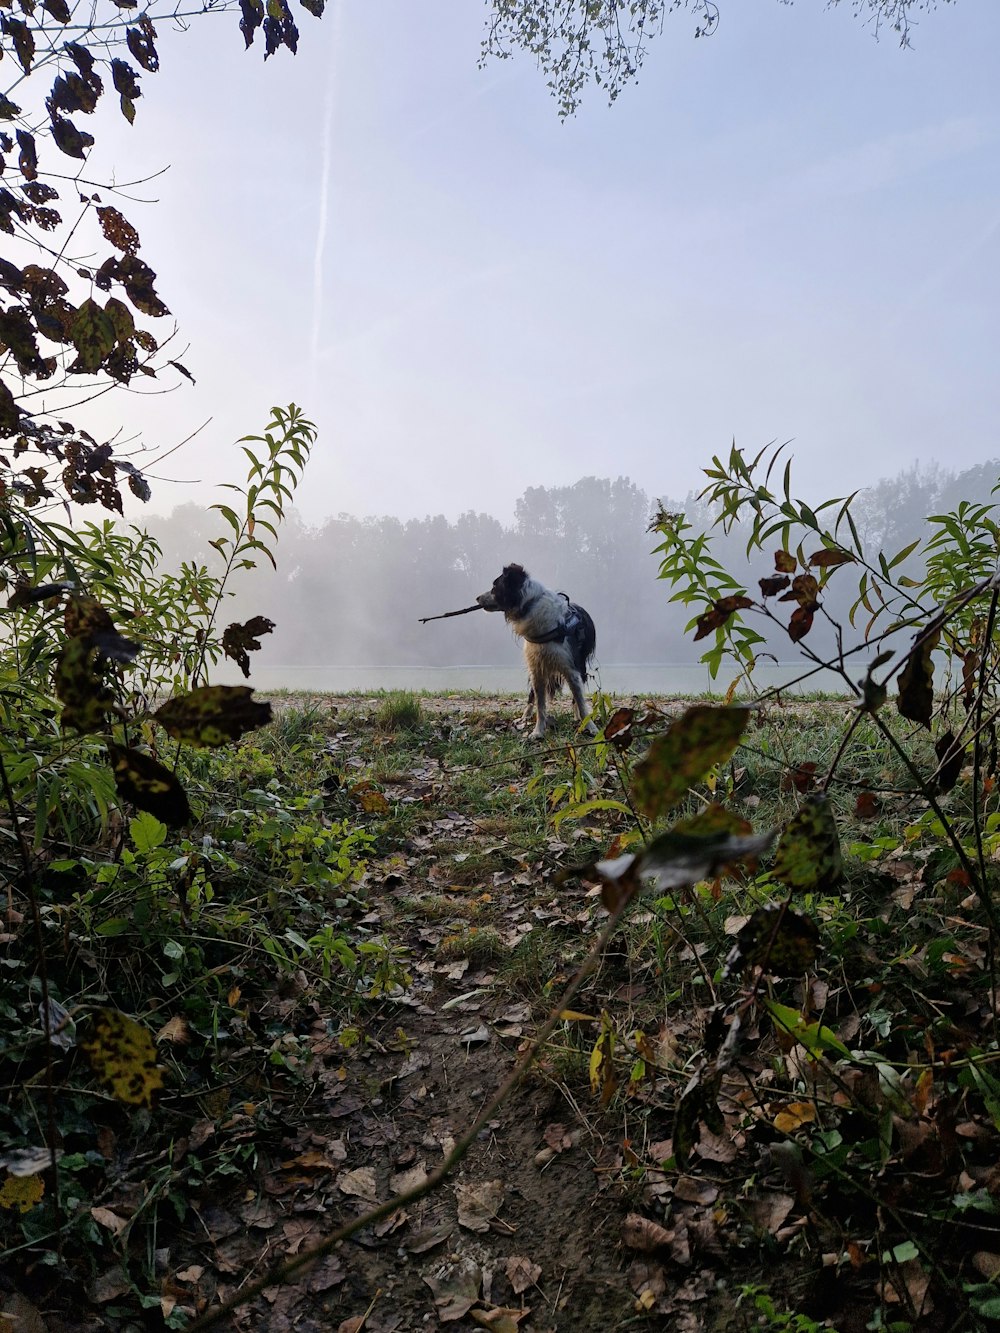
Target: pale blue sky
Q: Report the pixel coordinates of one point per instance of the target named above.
(786, 231)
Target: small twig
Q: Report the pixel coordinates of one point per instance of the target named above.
(464, 612)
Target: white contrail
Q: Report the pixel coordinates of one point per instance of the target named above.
(326, 148)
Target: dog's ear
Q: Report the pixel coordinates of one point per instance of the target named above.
(508, 586)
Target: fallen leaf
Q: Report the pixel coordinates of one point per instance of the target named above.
(521, 1273)
(643, 1234)
(456, 1288)
(409, 1180)
(428, 1239)
(104, 1217)
(479, 1204)
(360, 1183)
(18, 1315)
(499, 1319)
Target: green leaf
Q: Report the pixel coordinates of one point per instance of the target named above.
(147, 832)
(585, 808)
(93, 335)
(809, 858)
(701, 737)
(816, 1038)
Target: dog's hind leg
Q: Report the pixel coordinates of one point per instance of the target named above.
(580, 702)
(529, 712)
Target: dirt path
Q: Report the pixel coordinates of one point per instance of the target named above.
(527, 1233)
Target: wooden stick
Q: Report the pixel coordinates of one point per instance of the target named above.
(464, 612)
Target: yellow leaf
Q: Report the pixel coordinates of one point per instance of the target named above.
(19, 1194)
(795, 1114)
(123, 1056)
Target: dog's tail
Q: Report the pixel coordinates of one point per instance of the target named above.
(586, 642)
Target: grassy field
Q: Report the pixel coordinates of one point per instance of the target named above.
(387, 899)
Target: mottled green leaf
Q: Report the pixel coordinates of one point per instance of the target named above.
(777, 940)
(701, 738)
(145, 782)
(213, 715)
(808, 858)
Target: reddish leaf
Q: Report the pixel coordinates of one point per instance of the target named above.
(722, 610)
(829, 557)
(805, 591)
(800, 624)
(618, 728)
(867, 805)
(769, 587)
(784, 562)
(802, 777)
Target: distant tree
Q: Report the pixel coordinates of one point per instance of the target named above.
(578, 42)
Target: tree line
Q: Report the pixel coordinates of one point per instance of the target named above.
(350, 591)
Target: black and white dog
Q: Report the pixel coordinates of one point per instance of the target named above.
(559, 639)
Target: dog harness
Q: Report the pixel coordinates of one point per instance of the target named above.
(562, 630)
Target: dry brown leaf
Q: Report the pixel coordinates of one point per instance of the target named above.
(104, 1217)
(769, 1212)
(428, 1239)
(643, 1234)
(410, 1179)
(396, 1219)
(499, 1319)
(557, 1137)
(296, 1231)
(479, 1204)
(689, 1189)
(987, 1263)
(455, 1287)
(175, 1030)
(19, 1315)
(360, 1183)
(521, 1273)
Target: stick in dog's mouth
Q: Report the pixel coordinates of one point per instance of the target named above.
(464, 612)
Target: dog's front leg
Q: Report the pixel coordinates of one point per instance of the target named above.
(539, 691)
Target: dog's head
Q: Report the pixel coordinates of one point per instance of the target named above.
(507, 592)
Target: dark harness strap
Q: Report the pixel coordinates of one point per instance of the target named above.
(561, 631)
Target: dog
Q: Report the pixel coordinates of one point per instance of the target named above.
(559, 640)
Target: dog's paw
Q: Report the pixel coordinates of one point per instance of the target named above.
(590, 729)
(537, 735)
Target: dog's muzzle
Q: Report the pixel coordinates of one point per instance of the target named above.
(487, 601)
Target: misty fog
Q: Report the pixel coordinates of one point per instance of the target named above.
(347, 596)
